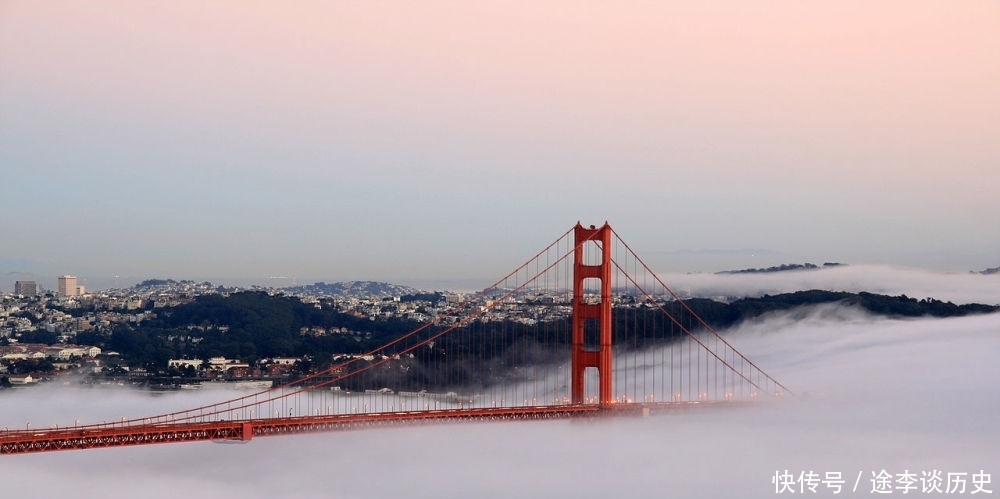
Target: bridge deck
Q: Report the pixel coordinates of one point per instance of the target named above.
(46, 440)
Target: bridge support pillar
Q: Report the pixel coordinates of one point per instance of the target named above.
(247, 433)
(592, 315)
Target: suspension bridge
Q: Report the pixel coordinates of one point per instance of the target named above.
(583, 328)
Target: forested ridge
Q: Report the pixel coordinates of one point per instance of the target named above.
(255, 325)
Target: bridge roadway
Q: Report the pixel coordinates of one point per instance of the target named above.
(92, 437)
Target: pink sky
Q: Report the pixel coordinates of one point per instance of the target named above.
(871, 126)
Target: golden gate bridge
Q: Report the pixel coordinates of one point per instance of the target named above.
(633, 347)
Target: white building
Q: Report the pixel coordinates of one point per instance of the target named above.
(68, 286)
(21, 380)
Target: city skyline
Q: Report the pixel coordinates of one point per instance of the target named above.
(441, 142)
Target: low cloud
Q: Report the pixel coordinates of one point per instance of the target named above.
(873, 394)
(916, 283)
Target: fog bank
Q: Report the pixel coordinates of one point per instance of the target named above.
(888, 280)
(873, 394)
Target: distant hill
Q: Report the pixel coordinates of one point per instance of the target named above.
(152, 283)
(354, 289)
(783, 268)
(884, 305)
(994, 270)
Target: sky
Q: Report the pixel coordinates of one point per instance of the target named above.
(872, 394)
(439, 141)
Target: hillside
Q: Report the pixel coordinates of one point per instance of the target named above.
(353, 289)
(783, 268)
(254, 325)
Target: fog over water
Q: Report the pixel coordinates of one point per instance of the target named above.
(964, 287)
(873, 394)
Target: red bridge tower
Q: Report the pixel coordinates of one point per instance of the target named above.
(589, 316)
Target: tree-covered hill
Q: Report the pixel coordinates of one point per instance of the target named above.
(255, 325)
(788, 267)
(247, 326)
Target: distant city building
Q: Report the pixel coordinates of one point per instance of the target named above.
(67, 286)
(26, 288)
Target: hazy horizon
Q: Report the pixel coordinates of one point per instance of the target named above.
(958, 287)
